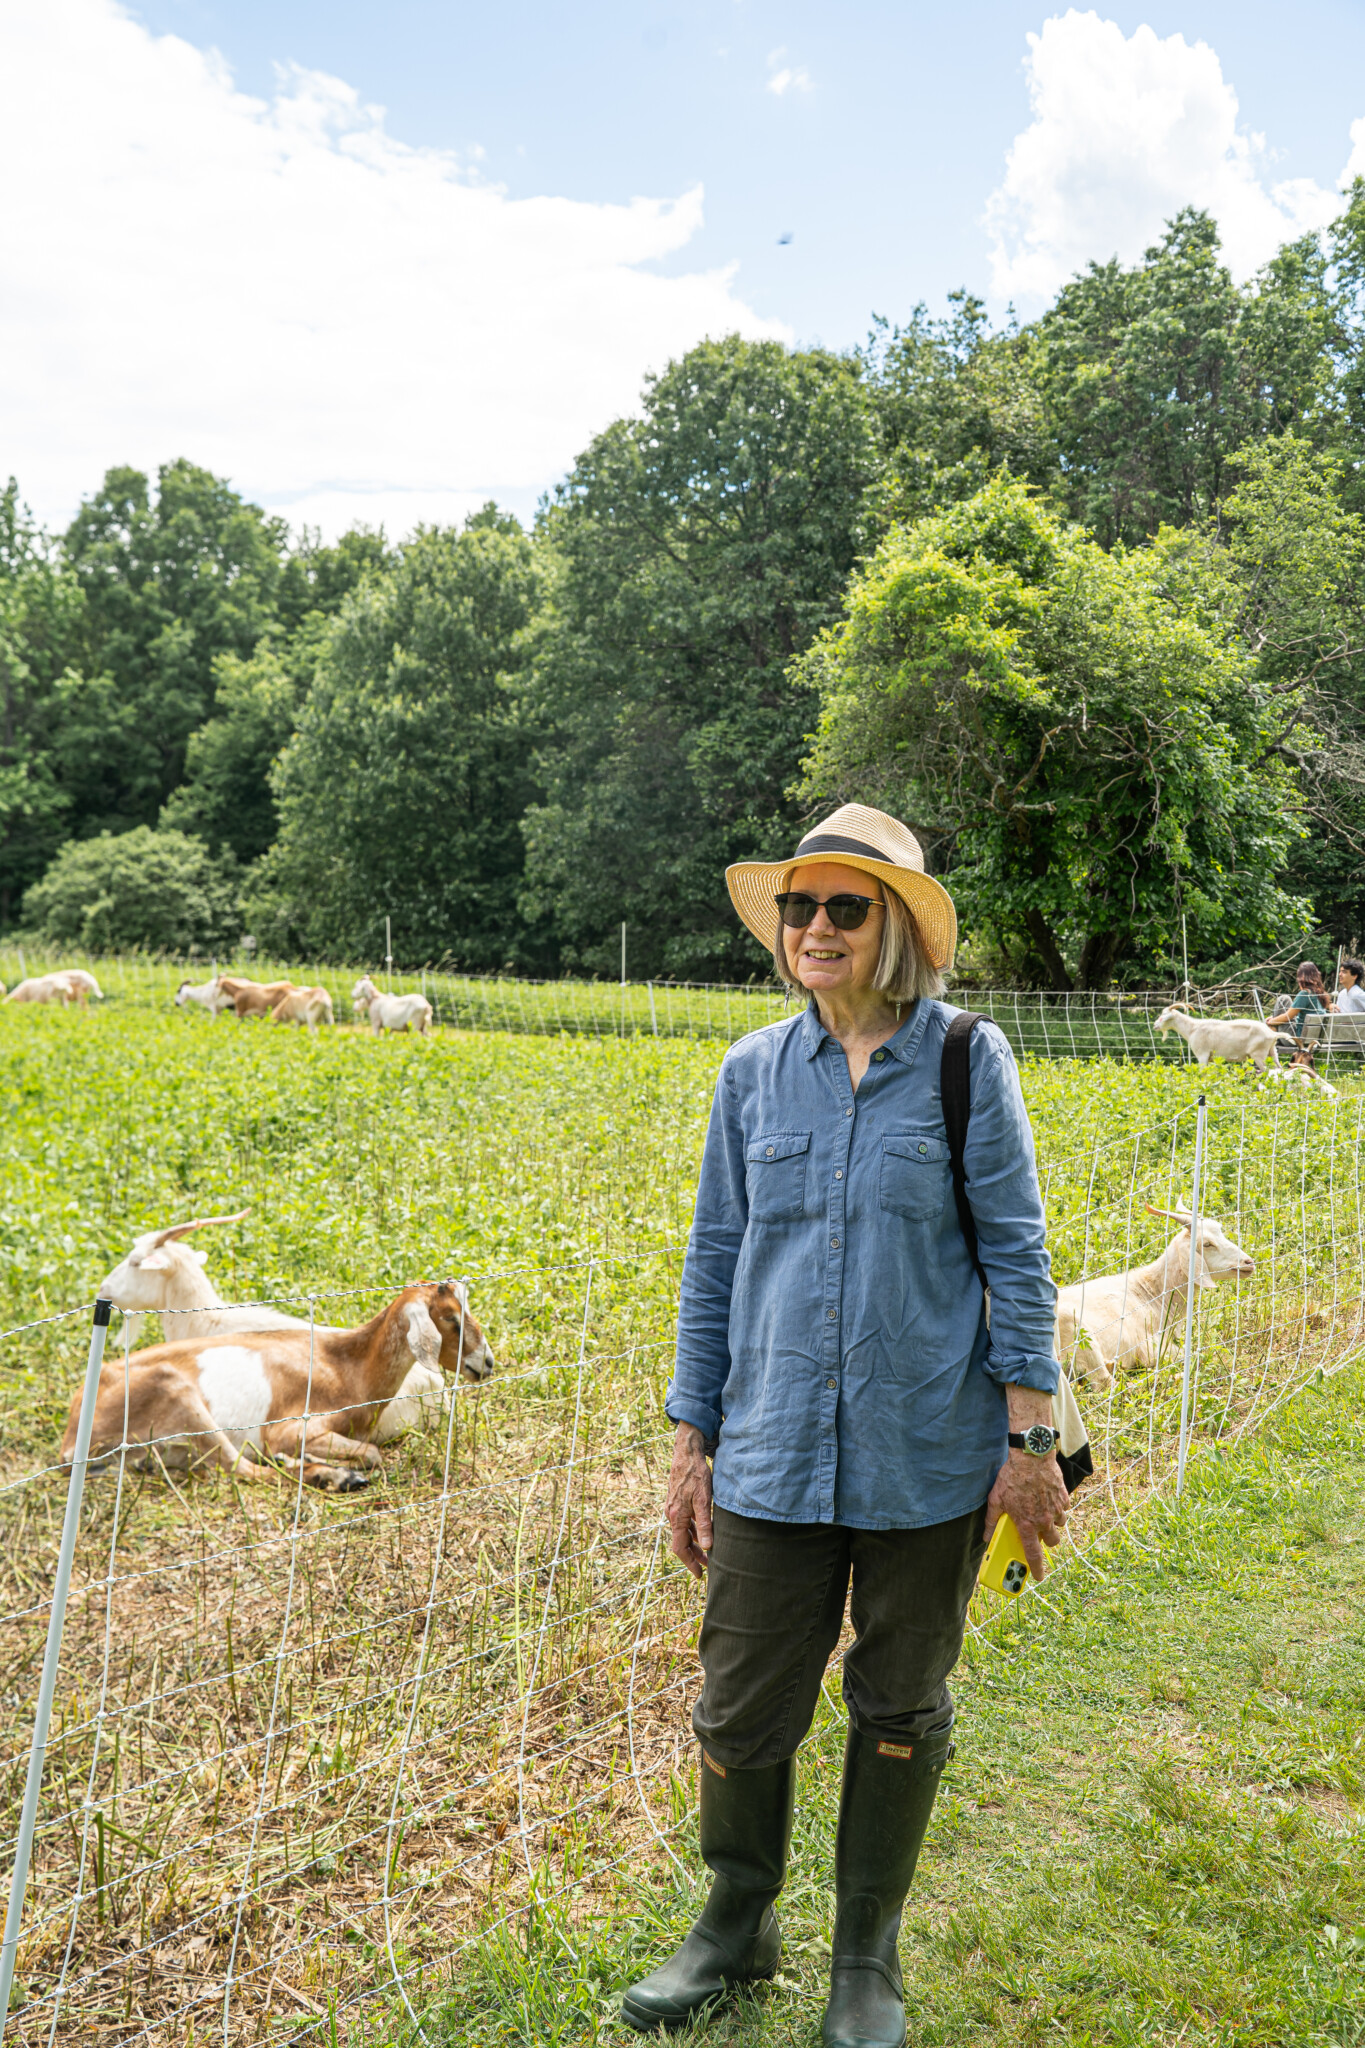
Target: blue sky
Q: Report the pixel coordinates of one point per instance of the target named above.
(880, 168)
(227, 250)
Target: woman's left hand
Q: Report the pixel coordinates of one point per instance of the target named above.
(1032, 1492)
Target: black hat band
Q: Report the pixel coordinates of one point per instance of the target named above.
(831, 842)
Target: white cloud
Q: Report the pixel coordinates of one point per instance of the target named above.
(1126, 131)
(288, 295)
(786, 78)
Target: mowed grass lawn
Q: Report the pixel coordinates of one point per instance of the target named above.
(1153, 1828)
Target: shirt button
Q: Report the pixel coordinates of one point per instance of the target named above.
(834, 1244)
(838, 1173)
(833, 1315)
(769, 1153)
(924, 1148)
(849, 1112)
(879, 1057)
(831, 1384)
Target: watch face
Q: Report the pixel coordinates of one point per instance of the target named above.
(1039, 1439)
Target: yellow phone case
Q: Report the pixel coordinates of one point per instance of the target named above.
(1004, 1568)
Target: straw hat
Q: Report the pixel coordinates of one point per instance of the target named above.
(856, 837)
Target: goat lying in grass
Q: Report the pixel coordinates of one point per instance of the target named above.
(294, 1397)
(1124, 1318)
(163, 1276)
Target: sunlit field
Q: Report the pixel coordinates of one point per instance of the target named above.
(320, 1743)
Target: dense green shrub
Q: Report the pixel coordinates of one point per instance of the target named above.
(162, 890)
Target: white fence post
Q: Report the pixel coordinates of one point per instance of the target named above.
(1185, 1419)
(653, 1013)
(47, 1684)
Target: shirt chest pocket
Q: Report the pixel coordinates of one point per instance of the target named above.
(775, 1175)
(915, 1178)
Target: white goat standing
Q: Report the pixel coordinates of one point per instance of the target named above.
(390, 1013)
(165, 1277)
(1222, 1038)
(207, 995)
(1124, 1318)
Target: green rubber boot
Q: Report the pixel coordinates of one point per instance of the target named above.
(746, 1825)
(889, 1792)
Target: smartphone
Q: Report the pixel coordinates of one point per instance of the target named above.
(1004, 1568)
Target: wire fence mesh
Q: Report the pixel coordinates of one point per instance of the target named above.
(1056, 1025)
(308, 1747)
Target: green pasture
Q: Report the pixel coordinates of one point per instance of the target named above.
(556, 1173)
(1152, 1832)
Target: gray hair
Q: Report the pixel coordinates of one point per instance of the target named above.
(904, 971)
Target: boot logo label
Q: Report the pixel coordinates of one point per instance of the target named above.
(719, 1769)
(895, 1749)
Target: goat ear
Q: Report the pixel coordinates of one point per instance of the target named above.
(195, 1253)
(423, 1334)
(157, 1261)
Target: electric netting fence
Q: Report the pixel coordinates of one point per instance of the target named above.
(306, 1749)
(1067, 1025)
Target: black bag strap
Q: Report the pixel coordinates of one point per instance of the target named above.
(955, 1088)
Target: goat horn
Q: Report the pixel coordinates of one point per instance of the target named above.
(199, 1223)
(1175, 1215)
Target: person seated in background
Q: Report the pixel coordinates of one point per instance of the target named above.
(1350, 999)
(1311, 1001)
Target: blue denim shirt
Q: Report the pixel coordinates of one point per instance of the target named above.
(832, 1333)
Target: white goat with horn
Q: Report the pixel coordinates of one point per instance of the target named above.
(1123, 1318)
(164, 1276)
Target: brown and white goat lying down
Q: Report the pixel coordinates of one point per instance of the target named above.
(220, 1399)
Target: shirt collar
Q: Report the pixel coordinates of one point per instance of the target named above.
(903, 1046)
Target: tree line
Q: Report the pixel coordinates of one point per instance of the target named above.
(1081, 599)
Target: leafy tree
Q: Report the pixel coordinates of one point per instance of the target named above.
(1089, 751)
(226, 796)
(317, 579)
(171, 582)
(1284, 565)
(401, 789)
(701, 546)
(1153, 378)
(40, 628)
(955, 402)
(161, 890)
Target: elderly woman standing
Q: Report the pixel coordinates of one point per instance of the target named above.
(866, 1422)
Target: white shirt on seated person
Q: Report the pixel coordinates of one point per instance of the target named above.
(1351, 1000)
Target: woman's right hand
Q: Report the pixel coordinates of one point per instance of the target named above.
(688, 1507)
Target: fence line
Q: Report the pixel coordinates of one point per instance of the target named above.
(1074, 1024)
(457, 1704)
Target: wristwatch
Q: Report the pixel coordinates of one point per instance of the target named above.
(1038, 1440)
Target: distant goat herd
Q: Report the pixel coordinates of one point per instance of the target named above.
(283, 1002)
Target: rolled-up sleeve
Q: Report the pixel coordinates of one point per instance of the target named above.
(1002, 1188)
(702, 1363)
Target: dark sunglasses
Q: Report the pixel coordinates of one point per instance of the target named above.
(845, 913)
